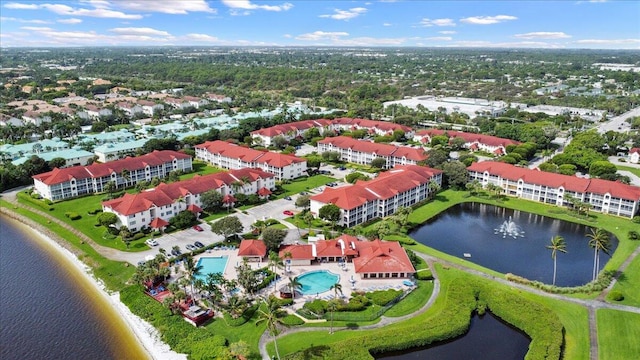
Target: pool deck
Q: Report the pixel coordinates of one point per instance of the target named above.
(345, 277)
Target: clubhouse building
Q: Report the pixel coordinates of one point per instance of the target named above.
(609, 197)
(363, 151)
(67, 183)
(155, 207)
(402, 186)
(231, 156)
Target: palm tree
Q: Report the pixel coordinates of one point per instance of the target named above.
(557, 244)
(271, 316)
(275, 263)
(126, 176)
(599, 241)
(294, 284)
(337, 288)
(193, 270)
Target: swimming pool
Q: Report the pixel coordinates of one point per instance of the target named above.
(212, 265)
(315, 282)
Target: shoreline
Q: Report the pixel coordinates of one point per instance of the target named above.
(143, 332)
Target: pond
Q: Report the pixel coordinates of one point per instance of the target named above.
(484, 235)
(488, 338)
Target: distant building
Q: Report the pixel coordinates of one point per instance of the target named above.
(60, 184)
(116, 150)
(469, 106)
(401, 186)
(35, 118)
(364, 151)
(609, 197)
(634, 155)
(473, 142)
(230, 156)
(137, 211)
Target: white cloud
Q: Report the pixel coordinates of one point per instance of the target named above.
(24, 21)
(437, 22)
(370, 41)
(167, 6)
(321, 35)
(520, 44)
(487, 20)
(235, 12)
(543, 35)
(35, 28)
(609, 41)
(439, 38)
(19, 6)
(202, 37)
(345, 14)
(71, 21)
(248, 5)
(447, 32)
(386, 24)
(139, 31)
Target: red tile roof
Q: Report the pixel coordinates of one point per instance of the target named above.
(634, 150)
(469, 137)
(158, 223)
(165, 194)
(283, 129)
(371, 124)
(345, 142)
(328, 248)
(263, 191)
(252, 248)
(389, 183)
(298, 252)
(57, 176)
(382, 257)
(249, 155)
(571, 183)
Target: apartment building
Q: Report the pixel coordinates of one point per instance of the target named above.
(488, 143)
(364, 151)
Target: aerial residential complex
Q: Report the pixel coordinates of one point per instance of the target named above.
(155, 207)
(364, 151)
(488, 143)
(231, 156)
(60, 184)
(297, 129)
(402, 186)
(604, 196)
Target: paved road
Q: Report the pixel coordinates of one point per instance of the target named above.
(619, 123)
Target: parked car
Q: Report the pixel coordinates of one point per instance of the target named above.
(197, 228)
(151, 242)
(176, 252)
(198, 244)
(343, 168)
(303, 193)
(190, 247)
(288, 212)
(287, 197)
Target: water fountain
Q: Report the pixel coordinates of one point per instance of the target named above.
(509, 228)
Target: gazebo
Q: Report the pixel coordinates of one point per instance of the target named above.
(229, 200)
(264, 193)
(195, 209)
(158, 223)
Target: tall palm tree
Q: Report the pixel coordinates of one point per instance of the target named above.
(193, 270)
(275, 263)
(270, 314)
(126, 176)
(557, 244)
(337, 288)
(294, 284)
(599, 241)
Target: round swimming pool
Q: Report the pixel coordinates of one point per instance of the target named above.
(315, 282)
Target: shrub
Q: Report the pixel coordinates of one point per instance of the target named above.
(616, 296)
(424, 275)
(138, 236)
(383, 297)
(36, 196)
(636, 219)
(633, 235)
(317, 306)
(356, 303)
(72, 215)
(292, 320)
(94, 211)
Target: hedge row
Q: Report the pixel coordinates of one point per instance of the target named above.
(42, 204)
(72, 215)
(602, 282)
(461, 299)
(383, 297)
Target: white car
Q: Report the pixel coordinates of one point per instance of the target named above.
(151, 242)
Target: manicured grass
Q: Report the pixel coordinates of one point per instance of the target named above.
(414, 301)
(628, 284)
(216, 215)
(618, 335)
(278, 226)
(114, 274)
(201, 168)
(633, 170)
(304, 184)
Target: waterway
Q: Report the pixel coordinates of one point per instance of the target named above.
(488, 338)
(51, 311)
(472, 229)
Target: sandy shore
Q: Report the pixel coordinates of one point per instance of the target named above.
(147, 336)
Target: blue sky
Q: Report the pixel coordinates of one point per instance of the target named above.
(596, 24)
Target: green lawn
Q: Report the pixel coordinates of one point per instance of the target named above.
(304, 184)
(618, 335)
(279, 226)
(629, 284)
(414, 301)
(633, 170)
(201, 168)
